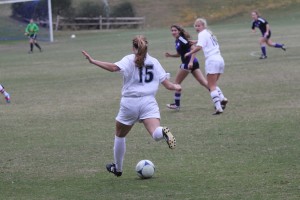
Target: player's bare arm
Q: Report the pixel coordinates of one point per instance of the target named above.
(104, 65)
(176, 55)
(171, 86)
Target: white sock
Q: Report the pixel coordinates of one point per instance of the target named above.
(220, 93)
(119, 152)
(2, 90)
(216, 99)
(157, 134)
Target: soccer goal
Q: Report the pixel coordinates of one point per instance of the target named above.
(15, 15)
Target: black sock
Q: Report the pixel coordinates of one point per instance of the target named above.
(31, 46)
(38, 46)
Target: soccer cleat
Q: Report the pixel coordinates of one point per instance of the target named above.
(7, 98)
(30, 52)
(173, 106)
(170, 139)
(218, 112)
(223, 103)
(111, 168)
(283, 48)
(262, 57)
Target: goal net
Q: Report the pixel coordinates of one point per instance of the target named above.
(16, 14)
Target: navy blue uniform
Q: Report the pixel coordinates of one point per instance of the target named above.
(182, 47)
(262, 25)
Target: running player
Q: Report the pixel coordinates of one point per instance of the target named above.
(183, 46)
(142, 75)
(6, 95)
(31, 31)
(265, 30)
(214, 63)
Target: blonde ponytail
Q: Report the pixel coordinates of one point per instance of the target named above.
(140, 43)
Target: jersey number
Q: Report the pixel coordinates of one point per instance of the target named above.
(214, 40)
(148, 73)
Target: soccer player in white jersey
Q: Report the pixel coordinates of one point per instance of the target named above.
(214, 63)
(6, 95)
(142, 75)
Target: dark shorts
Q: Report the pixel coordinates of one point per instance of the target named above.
(269, 36)
(185, 66)
(33, 36)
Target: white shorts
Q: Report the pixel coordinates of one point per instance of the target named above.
(214, 65)
(133, 109)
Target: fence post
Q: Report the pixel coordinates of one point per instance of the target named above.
(57, 22)
(100, 22)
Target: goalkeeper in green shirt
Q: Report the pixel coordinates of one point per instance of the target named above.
(31, 31)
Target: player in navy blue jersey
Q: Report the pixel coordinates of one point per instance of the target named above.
(183, 46)
(264, 27)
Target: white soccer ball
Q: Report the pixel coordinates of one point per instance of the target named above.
(145, 169)
(73, 36)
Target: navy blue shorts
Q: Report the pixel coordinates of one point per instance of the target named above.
(33, 36)
(186, 67)
(269, 36)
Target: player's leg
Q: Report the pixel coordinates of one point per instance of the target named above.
(150, 116)
(119, 148)
(180, 76)
(6, 95)
(212, 84)
(200, 78)
(275, 45)
(214, 67)
(158, 132)
(36, 43)
(31, 45)
(262, 43)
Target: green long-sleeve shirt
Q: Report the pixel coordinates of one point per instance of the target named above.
(32, 28)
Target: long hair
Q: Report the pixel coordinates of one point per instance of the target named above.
(183, 33)
(140, 43)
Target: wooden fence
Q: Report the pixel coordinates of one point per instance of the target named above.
(99, 22)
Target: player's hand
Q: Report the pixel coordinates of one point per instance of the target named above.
(177, 87)
(192, 42)
(26, 34)
(190, 65)
(87, 56)
(167, 54)
(266, 34)
(187, 54)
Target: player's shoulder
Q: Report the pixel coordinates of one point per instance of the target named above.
(261, 20)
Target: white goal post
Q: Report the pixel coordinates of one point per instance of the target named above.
(49, 13)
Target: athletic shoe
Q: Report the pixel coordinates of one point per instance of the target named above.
(7, 98)
(30, 52)
(218, 112)
(170, 139)
(173, 106)
(223, 103)
(111, 168)
(283, 48)
(263, 57)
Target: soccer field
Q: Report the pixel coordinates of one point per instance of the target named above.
(57, 133)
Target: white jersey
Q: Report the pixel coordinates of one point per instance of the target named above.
(144, 81)
(209, 43)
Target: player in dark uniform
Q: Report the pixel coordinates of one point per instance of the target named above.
(183, 46)
(31, 31)
(264, 27)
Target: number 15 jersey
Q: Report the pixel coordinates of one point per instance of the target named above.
(141, 81)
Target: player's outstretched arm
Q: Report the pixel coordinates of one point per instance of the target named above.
(171, 86)
(104, 65)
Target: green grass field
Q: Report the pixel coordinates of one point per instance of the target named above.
(57, 134)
